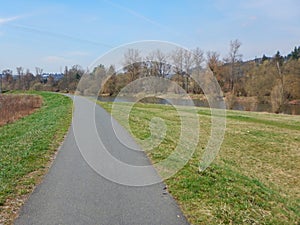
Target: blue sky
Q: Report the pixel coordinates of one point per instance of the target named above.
(52, 34)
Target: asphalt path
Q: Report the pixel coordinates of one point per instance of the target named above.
(82, 188)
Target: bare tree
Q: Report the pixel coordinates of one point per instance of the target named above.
(132, 63)
(164, 67)
(38, 71)
(158, 65)
(7, 79)
(38, 74)
(188, 64)
(198, 60)
(213, 60)
(177, 60)
(20, 72)
(278, 92)
(233, 58)
(183, 61)
(149, 65)
(188, 61)
(28, 78)
(217, 67)
(198, 57)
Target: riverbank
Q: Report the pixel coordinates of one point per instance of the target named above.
(234, 103)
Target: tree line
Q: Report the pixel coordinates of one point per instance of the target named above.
(26, 80)
(274, 79)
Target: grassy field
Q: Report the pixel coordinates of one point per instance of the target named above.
(254, 180)
(26, 149)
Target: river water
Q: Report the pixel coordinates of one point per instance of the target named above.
(260, 107)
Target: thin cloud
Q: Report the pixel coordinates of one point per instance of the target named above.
(59, 35)
(249, 21)
(134, 13)
(8, 19)
(142, 17)
(55, 59)
(274, 9)
(76, 53)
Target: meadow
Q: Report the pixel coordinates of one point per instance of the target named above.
(255, 178)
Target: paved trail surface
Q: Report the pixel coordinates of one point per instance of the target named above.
(73, 193)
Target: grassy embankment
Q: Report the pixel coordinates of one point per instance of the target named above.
(255, 178)
(27, 146)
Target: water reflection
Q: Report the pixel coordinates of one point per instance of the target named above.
(258, 107)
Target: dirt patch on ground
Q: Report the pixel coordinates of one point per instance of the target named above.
(14, 107)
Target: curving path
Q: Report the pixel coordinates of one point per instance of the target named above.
(73, 193)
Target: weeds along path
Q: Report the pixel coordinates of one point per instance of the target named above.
(27, 146)
(16, 106)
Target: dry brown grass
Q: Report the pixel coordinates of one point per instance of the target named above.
(16, 106)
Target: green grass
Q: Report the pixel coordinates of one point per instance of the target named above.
(255, 178)
(28, 144)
